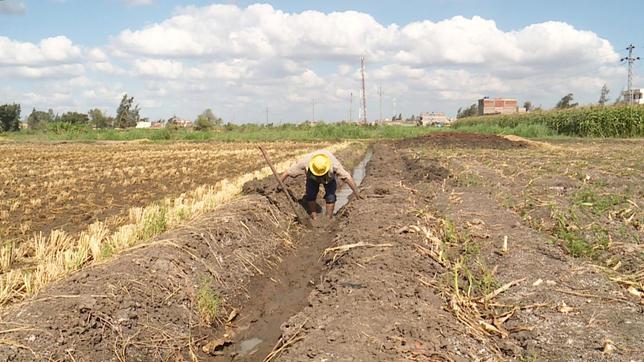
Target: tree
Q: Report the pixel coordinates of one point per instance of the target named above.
(127, 114)
(98, 119)
(566, 102)
(603, 97)
(473, 110)
(527, 105)
(9, 117)
(39, 119)
(74, 118)
(207, 120)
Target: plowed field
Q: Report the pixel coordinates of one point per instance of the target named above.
(462, 248)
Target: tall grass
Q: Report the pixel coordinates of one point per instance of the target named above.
(593, 121)
(230, 133)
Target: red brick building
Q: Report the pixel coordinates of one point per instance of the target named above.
(498, 106)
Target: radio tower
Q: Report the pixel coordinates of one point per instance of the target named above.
(364, 95)
(630, 59)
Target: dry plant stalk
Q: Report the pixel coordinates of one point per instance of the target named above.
(339, 250)
(59, 254)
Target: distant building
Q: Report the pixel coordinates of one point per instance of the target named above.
(434, 119)
(489, 106)
(143, 124)
(180, 122)
(638, 96)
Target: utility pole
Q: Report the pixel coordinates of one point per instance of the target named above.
(364, 94)
(380, 94)
(351, 108)
(267, 116)
(630, 59)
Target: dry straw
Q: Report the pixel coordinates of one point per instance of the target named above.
(59, 254)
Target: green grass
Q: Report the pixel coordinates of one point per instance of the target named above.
(594, 121)
(598, 203)
(208, 302)
(231, 133)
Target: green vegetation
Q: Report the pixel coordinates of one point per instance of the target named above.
(599, 203)
(208, 302)
(9, 117)
(324, 132)
(594, 121)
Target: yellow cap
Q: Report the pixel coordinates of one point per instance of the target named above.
(320, 164)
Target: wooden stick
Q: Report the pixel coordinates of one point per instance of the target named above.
(304, 220)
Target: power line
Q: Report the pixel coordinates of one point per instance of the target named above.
(630, 59)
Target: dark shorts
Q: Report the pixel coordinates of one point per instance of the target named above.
(313, 187)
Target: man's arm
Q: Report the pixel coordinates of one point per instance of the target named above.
(346, 177)
(354, 187)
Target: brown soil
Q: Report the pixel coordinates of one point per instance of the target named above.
(416, 280)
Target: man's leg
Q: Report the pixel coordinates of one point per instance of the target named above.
(311, 195)
(329, 197)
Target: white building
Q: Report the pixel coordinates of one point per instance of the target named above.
(638, 96)
(434, 119)
(143, 124)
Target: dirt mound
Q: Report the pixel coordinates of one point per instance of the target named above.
(157, 301)
(417, 169)
(463, 140)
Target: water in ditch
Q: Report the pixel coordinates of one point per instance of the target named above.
(358, 175)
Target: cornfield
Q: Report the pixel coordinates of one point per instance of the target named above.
(593, 121)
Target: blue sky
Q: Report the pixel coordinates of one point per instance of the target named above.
(414, 62)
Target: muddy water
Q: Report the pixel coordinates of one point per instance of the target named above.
(358, 175)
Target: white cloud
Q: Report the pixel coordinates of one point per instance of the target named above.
(52, 71)
(12, 7)
(158, 68)
(240, 60)
(53, 50)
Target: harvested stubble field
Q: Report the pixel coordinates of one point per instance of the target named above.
(66, 204)
(463, 248)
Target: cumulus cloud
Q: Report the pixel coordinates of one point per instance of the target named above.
(53, 50)
(158, 68)
(257, 56)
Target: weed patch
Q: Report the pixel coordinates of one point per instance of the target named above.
(208, 301)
